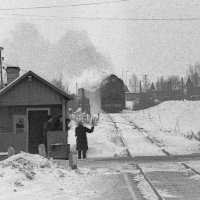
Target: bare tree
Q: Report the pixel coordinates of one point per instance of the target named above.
(194, 73)
(146, 83)
(161, 83)
(134, 83)
(175, 82)
(169, 83)
(59, 83)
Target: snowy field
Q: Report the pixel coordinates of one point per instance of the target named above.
(179, 116)
(175, 125)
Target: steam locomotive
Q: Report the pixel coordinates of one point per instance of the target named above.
(112, 94)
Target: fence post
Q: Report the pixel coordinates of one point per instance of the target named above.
(41, 149)
(72, 160)
(11, 151)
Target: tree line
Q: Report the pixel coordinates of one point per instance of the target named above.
(163, 83)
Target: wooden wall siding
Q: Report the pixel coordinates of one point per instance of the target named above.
(6, 117)
(6, 120)
(18, 141)
(55, 111)
(30, 93)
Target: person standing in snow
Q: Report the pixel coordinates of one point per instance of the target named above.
(81, 140)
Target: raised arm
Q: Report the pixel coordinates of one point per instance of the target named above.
(89, 130)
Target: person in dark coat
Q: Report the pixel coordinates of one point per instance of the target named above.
(81, 140)
(58, 124)
(47, 126)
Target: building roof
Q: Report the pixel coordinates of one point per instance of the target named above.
(30, 73)
(152, 88)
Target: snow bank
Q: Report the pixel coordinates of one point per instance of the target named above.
(28, 176)
(172, 124)
(180, 116)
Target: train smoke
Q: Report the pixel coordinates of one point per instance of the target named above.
(74, 56)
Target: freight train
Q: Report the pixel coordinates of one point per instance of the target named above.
(112, 94)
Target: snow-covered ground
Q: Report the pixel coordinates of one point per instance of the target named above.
(136, 142)
(169, 123)
(27, 176)
(174, 124)
(180, 116)
(103, 142)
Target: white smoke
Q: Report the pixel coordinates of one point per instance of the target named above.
(90, 79)
(74, 56)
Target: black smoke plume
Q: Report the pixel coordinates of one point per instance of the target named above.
(73, 56)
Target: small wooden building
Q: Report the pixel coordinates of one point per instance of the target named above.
(24, 106)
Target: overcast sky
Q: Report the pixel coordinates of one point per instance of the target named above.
(143, 47)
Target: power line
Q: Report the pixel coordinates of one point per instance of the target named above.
(63, 6)
(1, 68)
(45, 17)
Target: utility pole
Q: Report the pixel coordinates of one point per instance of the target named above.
(182, 88)
(145, 83)
(1, 68)
(76, 88)
(67, 89)
(140, 87)
(126, 76)
(122, 74)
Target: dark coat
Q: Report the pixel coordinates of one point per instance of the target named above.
(81, 140)
(47, 126)
(58, 126)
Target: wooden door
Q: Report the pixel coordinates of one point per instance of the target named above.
(36, 119)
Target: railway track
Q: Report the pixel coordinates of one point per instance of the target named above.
(150, 139)
(159, 144)
(130, 155)
(154, 142)
(120, 136)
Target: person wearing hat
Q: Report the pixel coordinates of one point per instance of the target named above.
(81, 140)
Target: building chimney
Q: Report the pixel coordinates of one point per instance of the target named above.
(12, 73)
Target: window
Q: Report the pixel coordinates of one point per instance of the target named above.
(19, 123)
